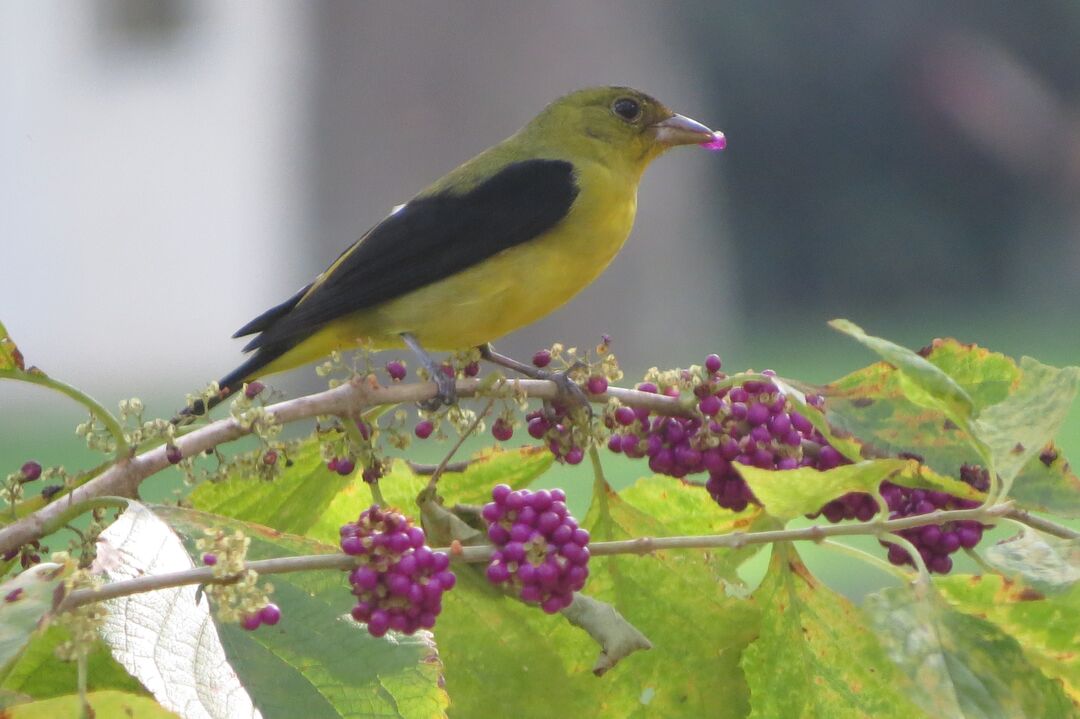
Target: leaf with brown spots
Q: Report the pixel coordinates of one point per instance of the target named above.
(1044, 562)
(964, 666)
(1046, 627)
(814, 656)
(10, 356)
(1014, 404)
(25, 600)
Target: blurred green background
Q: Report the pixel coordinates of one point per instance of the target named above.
(173, 168)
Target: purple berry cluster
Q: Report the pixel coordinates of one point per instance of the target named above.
(398, 581)
(552, 425)
(540, 551)
(935, 542)
(752, 423)
(268, 615)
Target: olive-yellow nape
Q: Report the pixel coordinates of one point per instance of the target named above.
(499, 242)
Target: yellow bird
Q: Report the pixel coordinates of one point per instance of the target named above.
(499, 242)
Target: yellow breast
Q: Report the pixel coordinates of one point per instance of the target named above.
(502, 293)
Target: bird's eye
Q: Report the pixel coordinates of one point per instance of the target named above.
(627, 108)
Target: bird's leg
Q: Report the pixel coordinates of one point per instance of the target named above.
(567, 387)
(447, 386)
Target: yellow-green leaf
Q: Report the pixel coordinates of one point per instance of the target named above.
(10, 356)
(1017, 428)
(1047, 628)
(962, 665)
(106, 704)
(814, 655)
(921, 381)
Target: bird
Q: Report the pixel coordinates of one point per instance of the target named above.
(501, 241)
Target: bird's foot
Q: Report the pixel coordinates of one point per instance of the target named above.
(569, 390)
(446, 391)
(446, 385)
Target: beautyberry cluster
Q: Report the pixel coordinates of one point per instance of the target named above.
(753, 423)
(398, 581)
(552, 424)
(541, 552)
(935, 542)
(268, 615)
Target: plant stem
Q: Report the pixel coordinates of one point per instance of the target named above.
(96, 408)
(482, 553)
(1043, 525)
(434, 479)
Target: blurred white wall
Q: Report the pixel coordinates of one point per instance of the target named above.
(173, 168)
(144, 155)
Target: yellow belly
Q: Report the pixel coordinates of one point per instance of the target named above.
(501, 294)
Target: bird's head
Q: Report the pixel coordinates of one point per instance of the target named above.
(619, 123)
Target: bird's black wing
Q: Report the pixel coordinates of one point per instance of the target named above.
(429, 239)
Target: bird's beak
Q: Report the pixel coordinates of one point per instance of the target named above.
(680, 130)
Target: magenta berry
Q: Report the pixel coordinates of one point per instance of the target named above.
(712, 364)
(502, 430)
(472, 369)
(424, 428)
(30, 471)
(251, 622)
(173, 454)
(270, 457)
(596, 385)
(253, 389)
(270, 615)
(209, 559)
(541, 552)
(542, 358)
(396, 370)
(345, 466)
(399, 581)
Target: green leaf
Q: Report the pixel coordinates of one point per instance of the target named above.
(25, 600)
(963, 666)
(1046, 627)
(291, 503)
(504, 658)
(791, 493)
(518, 468)
(1046, 563)
(870, 404)
(1017, 428)
(795, 492)
(40, 674)
(104, 703)
(1048, 486)
(921, 381)
(316, 662)
(10, 356)
(814, 656)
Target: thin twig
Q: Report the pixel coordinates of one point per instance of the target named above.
(482, 553)
(426, 469)
(434, 480)
(1043, 525)
(124, 476)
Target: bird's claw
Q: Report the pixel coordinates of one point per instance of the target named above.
(568, 388)
(446, 392)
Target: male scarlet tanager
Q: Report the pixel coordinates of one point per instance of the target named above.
(499, 242)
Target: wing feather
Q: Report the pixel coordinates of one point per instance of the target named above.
(429, 239)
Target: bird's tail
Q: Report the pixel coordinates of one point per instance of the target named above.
(227, 386)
